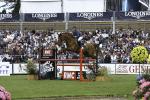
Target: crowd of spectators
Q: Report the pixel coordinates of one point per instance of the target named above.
(16, 46)
(116, 47)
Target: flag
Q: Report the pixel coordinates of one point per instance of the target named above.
(144, 2)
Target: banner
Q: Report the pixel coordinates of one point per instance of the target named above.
(110, 68)
(47, 53)
(20, 69)
(47, 70)
(71, 75)
(49, 67)
(90, 16)
(132, 68)
(44, 17)
(9, 17)
(71, 68)
(126, 68)
(138, 15)
(5, 69)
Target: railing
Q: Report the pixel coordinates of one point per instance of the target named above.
(54, 19)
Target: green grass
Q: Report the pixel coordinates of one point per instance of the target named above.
(20, 87)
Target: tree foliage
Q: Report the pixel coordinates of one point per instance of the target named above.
(31, 67)
(139, 54)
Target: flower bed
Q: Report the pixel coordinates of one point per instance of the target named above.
(142, 90)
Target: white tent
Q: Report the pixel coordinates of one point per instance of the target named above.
(61, 6)
(84, 6)
(40, 6)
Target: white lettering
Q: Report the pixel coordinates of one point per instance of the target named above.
(90, 15)
(69, 75)
(44, 16)
(4, 16)
(138, 14)
(3, 71)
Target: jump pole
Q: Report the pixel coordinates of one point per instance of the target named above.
(81, 61)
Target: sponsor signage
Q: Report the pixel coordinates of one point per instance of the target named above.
(20, 68)
(80, 16)
(9, 17)
(126, 68)
(47, 67)
(110, 68)
(133, 15)
(47, 54)
(90, 16)
(39, 17)
(132, 68)
(5, 69)
(71, 75)
(69, 68)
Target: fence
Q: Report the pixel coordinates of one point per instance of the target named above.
(20, 68)
(83, 20)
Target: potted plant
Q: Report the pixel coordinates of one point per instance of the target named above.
(31, 70)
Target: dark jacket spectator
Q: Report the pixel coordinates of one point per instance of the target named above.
(107, 59)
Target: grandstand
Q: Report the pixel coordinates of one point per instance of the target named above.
(62, 20)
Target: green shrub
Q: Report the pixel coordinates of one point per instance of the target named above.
(139, 54)
(31, 67)
(102, 71)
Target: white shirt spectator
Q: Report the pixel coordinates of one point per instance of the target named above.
(114, 58)
(1, 58)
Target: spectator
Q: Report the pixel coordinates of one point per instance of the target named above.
(119, 44)
(107, 58)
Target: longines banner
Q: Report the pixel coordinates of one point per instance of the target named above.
(90, 16)
(41, 17)
(9, 17)
(138, 15)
